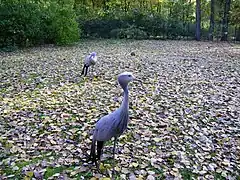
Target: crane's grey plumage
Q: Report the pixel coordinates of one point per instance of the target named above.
(113, 124)
(89, 60)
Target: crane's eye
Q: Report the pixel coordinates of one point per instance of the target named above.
(129, 75)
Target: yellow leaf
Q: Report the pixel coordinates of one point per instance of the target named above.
(84, 134)
(101, 167)
(93, 178)
(26, 178)
(157, 139)
(140, 177)
(52, 141)
(107, 166)
(135, 164)
(30, 174)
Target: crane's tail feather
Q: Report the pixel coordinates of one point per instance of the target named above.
(99, 149)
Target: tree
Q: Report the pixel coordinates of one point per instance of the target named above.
(235, 17)
(211, 28)
(225, 20)
(198, 20)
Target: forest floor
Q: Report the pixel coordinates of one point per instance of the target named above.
(184, 116)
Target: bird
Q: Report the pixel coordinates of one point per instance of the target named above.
(113, 124)
(89, 60)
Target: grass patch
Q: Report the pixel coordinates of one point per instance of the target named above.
(187, 174)
(50, 171)
(218, 176)
(86, 175)
(7, 170)
(189, 149)
(158, 172)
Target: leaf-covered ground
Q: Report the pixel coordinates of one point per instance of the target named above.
(185, 120)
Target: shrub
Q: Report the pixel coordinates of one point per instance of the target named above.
(20, 24)
(133, 33)
(26, 23)
(135, 25)
(64, 24)
(100, 27)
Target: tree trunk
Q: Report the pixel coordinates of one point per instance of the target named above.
(93, 4)
(125, 6)
(159, 7)
(188, 13)
(237, 33)
(225, 20)
(198, 20)
(105, 6)
(151, 6)
(211, 28)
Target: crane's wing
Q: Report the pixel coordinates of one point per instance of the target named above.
(106, 127)
(94, 60)
(87, 60)
(112, 125)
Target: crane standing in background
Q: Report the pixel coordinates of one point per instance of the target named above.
(90, 60)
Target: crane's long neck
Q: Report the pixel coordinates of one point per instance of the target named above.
(125, 102)
(124, 116)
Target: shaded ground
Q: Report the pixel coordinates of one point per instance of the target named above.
(184, 117)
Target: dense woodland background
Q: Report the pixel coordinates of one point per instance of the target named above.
(26, 23)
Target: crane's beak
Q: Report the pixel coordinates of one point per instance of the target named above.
(136, 79)
(133, 77)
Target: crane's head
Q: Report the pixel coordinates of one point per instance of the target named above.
(124, 78)
(93, 54)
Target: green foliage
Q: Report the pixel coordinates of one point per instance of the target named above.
(100, 27)
(129, 33)
(65, 25)
(158, 19)
(19, 27)
(136, 25)
(31, 22)
(218, 176)
(187, 174)
(235, 13)
(26, 23)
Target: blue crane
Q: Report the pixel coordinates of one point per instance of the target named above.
(89, 60)
(113, 124)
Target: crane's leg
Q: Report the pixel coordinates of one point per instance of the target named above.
(83, 69)
(114, 148)
(99, 149)
(86, 70)
(92, 70)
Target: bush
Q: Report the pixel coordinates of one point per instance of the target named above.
(26, 23)
(128, 33)
(135, 25)
(100, 27)
(18, 26)
(64, 25)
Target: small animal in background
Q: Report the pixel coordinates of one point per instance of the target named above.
(133, 54)
(89, 60)
(113, 124)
